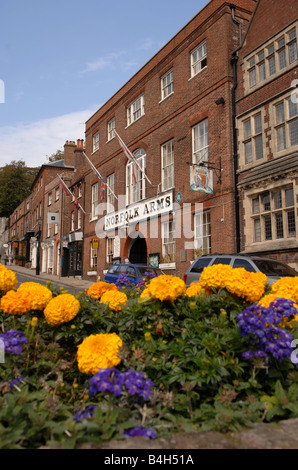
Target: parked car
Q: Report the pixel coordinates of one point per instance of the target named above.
(134, 272)
(273, 269)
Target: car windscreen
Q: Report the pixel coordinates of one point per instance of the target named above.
(274, 268)
(200, 264)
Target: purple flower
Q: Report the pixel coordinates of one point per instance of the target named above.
(17, 380)
(88, 412)
(140, 431)
(150, 274)
(13, 341)
(261, 326)
(122, 280)
(114, 381)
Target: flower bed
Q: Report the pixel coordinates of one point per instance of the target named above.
(149, 360)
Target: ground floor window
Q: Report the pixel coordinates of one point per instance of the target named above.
(75, 258)
(202, 233)
(168, 241)
(109, 250)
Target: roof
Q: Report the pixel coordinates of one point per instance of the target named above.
(56, 164)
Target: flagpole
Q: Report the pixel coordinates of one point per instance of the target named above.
(99, 176)
(70, 193)
(130, 156)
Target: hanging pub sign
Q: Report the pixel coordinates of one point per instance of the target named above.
(201, 179)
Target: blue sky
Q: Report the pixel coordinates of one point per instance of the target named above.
(61, 60)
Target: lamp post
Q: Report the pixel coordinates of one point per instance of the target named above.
(38, 237)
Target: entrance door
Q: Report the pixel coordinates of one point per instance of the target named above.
(65, 262)
(138, 251)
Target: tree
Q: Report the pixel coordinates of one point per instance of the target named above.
(58, 155)
(15, 185)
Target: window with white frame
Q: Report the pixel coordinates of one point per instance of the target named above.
(167, 84)
(110, 192)
(93, 257)
(109, 250)
(253, 138)
(57, 193)
(202, 233)
(135, 179)
(72, 221)
(273, 215)
(168, 241)
(79, 218)
(55, 229)
(50, 199)
(80, 190)
(200, 142)
(286, 124)
(111, 129)
(95, 142)
(135, 110)
(94, 200)
(49, 230)
(272, 58)
(167, 165)
(198, 58)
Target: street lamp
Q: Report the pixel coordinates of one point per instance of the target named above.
(38, 237)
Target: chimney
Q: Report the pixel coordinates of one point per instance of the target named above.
(69, 149)
(79, 158)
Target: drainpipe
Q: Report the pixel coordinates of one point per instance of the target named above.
(233, 7)
(234, 61)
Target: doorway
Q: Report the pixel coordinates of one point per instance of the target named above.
(138, 251)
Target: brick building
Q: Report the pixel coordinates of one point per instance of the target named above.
(267, 123)
(175, 115)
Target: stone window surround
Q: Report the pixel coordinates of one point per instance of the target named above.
(264, 47)
(249, 195)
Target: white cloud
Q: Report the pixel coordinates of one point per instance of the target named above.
(33, 142)
(120, 59)
(102, 62)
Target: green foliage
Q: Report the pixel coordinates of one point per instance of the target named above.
(15, 184)
(191, 350)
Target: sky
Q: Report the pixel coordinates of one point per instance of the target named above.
(60, 61)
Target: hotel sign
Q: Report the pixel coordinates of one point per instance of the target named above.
(142, 210)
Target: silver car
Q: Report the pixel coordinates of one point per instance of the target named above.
(273, 269)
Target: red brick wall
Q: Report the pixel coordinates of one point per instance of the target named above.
(193, 100)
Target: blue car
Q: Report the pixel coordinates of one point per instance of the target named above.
(132, 273)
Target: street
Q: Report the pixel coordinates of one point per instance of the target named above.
(27, 278)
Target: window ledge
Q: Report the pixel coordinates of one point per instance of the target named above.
(198, 73)
(166, 97)
(167, 266)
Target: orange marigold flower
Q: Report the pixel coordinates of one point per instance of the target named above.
(286, 287)
(115, 299)
(8, 279)
(237, 281)
(215, 276)
(165, 288)
(97, 289)
(61, 309)
(99, 352)
(15, 302)
(38, 294)
(196, 288)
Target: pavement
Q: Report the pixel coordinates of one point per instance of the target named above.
(72, 281)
